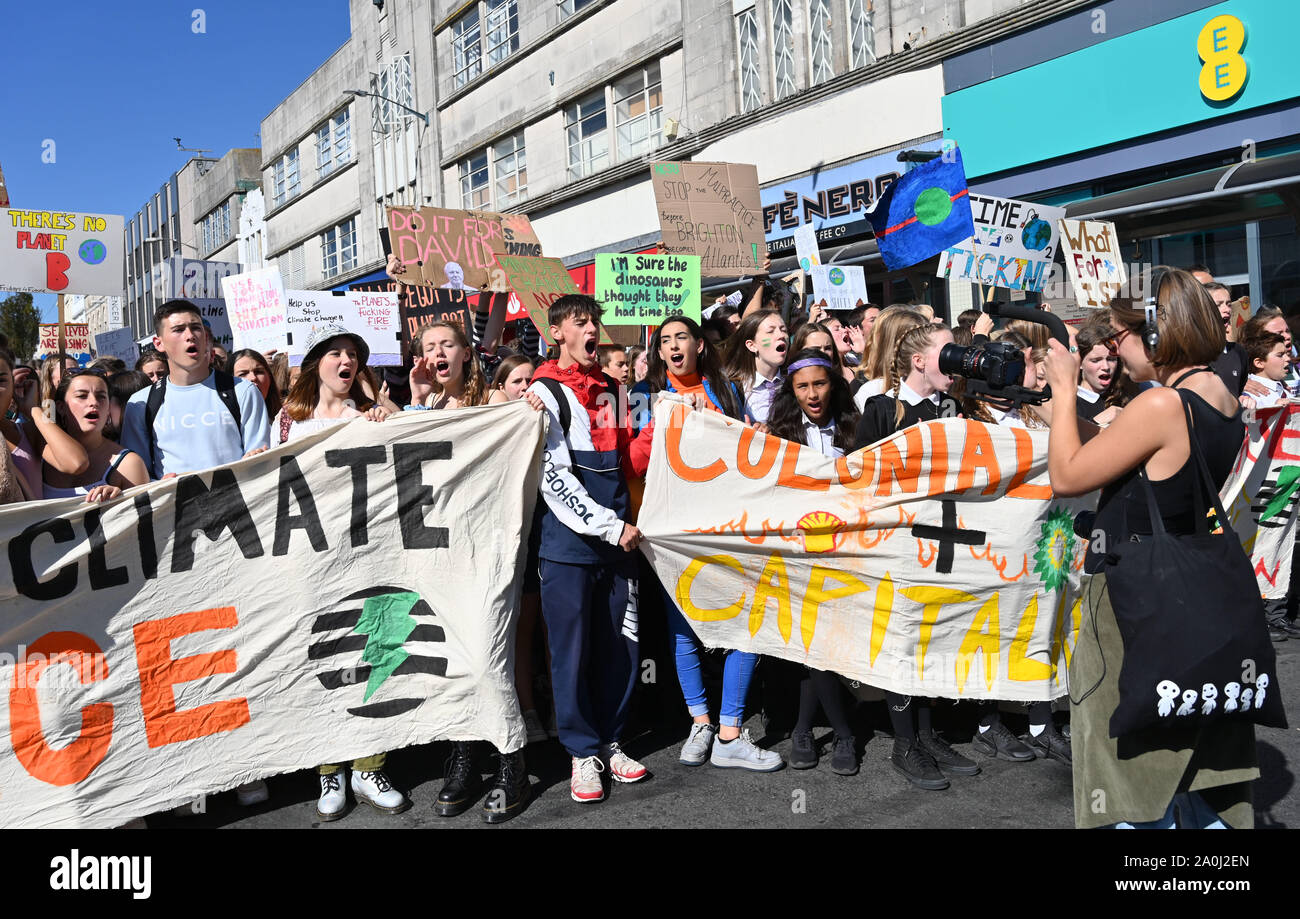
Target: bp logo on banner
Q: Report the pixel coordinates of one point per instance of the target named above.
(390, 629)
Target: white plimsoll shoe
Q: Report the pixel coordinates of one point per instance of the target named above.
(742, 753)
(696, 749)
(333, 797)
(375, 789)
(584, 784)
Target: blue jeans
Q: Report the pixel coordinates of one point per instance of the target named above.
(1193, 812)
(737, 671)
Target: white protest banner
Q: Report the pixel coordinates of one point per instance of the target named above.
(1092, 261)
(1260, 496)
(805, 246)
(200, 282)
(255, 306)
(1013, 245)
(371, 314)
(76, 340)
(118, 343)
(936, 562)
(343, 595)
(841, 286)
(62, 252)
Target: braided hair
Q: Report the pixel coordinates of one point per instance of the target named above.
(910, 343)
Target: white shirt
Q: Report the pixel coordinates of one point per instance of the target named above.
(1087, 395)
(821, 439)
(1277, 391)
(912, 397)
(866, 391)
(1011, 419)
(759, 395)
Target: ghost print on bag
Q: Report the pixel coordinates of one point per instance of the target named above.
(1168, 692)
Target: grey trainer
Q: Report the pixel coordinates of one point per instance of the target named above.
(742, 754)
(696, 749)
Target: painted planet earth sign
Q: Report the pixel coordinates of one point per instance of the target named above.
(835, 276)
(93, 252)
(1036, 234)
(933, 206)
(805, 263)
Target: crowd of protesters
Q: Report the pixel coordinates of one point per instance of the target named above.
(834, 381)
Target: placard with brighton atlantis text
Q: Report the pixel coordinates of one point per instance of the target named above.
(712, 210)
(62, 252)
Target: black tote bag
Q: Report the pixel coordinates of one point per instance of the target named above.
(1196, 647)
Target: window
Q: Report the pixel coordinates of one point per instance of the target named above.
(285, 180)
(467, 56)
(783, 48)
(474, 186)
(333, 143)
(511, 169)
(339, 249)
(393, 82)
(862, 35)
(819, 40)
(588, 138)
(215, 230)
(502, 30)
(569, 7)
(293, 268)
(751, 96)
(638, 112)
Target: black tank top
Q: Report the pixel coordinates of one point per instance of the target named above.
(1122, 508)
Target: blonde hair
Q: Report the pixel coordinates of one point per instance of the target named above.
(476, 391)
(890, 324)
(910, 343)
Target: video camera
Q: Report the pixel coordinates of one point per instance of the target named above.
(993, 371)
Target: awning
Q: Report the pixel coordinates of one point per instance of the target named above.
(863, 252)
(1216, 197)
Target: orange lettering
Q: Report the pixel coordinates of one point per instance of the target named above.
(159, 672)
(978, 451)
(1024, 459)
(791, 479)
(938, 458)
(865, 474)
(895, 469)
(673, 447)
(67, 765)
(766, 459)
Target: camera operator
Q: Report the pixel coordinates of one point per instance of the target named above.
(1158, 765)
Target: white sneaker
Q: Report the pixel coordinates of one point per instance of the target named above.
(533, 725)
(696, 749)
(622, 768)
(375, 789)
(251, 793)
(741, 753)
(584, 784)
(333, 797)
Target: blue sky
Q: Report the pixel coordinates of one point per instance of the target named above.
(112, 83)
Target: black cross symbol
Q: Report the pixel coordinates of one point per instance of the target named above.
(948, 535)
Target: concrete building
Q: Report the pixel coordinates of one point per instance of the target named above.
(218, 203)
(163, 227)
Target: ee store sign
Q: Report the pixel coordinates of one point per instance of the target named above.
(62, 252)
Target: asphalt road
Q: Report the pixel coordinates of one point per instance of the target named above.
(1004, 795)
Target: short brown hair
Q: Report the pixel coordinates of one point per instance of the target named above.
(1260, 345)
(1191, 330)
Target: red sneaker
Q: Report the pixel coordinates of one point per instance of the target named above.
(584, 784)
(623, 768)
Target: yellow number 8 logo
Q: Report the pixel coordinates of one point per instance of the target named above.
(1219, 46)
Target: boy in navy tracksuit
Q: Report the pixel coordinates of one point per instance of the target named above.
(588, 569)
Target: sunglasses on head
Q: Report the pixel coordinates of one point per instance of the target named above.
(1112, 340)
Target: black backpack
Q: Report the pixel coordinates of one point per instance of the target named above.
(225, 384)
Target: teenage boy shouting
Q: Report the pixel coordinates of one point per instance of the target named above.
(588, 571)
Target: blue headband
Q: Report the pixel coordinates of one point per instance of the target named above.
(809, 362)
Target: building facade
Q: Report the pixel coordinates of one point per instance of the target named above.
(219, 196)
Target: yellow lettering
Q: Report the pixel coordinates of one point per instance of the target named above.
(983, 635)
(818, 594)
(931, 599)
(880, 615)
(773, 584)
(706, 613)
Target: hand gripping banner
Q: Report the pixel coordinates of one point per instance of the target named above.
(934, 563)
(341, 596)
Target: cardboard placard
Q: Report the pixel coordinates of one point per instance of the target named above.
(1013, 246)
(425, 304)
(76, 340)
(712, 210)
(1092, 261)
(539, 282)
(118, 343)
(370, 314)
(841, 286)
(199, 282)
(646, 289)
(62, 252)
(256, 306)
(457, 250)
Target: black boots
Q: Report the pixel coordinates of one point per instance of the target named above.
(510, 791)
(507, 797)
(461, 783)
